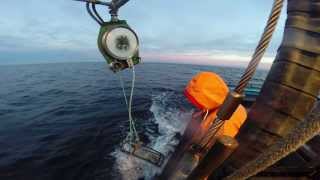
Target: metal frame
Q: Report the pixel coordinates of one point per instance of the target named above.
(114, 6)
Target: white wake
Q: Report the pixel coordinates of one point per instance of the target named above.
(170, 120)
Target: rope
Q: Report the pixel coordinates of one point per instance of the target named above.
(206, 115)
(304, 132)
(130, 104)
(133, 135)
(123, 90)
(256, 58)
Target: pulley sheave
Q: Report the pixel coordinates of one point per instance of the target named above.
(118, 43)
(121, 43)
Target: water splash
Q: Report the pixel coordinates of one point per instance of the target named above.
(170, 120)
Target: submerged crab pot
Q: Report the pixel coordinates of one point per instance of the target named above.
(143, 152)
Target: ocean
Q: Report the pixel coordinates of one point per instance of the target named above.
(66, 121)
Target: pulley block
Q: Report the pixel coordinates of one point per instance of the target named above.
(118, 43)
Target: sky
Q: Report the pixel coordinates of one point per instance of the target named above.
(179, 31)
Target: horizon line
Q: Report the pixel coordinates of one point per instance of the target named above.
(240, 64)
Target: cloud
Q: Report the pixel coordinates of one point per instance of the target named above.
(61, 30)
(213, 58)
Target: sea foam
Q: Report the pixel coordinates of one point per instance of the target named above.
(170, 120)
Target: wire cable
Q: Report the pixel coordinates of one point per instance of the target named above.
(91, 14)
(262, 46)
(256, 58)
(93, 5)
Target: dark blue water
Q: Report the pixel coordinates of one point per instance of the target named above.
(65, 121)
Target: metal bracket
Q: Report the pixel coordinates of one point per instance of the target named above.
(114, 6)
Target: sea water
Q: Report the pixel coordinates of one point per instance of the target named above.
(66, 121)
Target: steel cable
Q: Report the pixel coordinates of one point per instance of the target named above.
(91, 14)
(256, 58)
(93, 5)
(261, 48)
